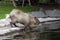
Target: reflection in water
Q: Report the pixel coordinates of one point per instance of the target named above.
(52, 32)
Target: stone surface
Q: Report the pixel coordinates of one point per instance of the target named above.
(51, 13)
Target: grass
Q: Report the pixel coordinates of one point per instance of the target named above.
(6, 7)
(4, 10)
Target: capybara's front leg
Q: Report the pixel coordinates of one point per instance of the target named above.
(13, 24)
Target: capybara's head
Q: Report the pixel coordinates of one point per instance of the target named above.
(36, 21)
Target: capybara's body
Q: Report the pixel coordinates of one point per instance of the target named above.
(18, 16)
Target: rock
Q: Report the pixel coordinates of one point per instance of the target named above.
(7, 39)
(8, 30)
(48, 19)
(51, 13)
(4, 22)
(37, 14)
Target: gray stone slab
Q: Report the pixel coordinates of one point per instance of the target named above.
(51, 13)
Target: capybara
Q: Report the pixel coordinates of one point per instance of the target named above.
(18, 16)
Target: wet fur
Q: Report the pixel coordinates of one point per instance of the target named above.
(18, 16)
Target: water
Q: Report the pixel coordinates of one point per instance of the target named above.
(45, 33)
